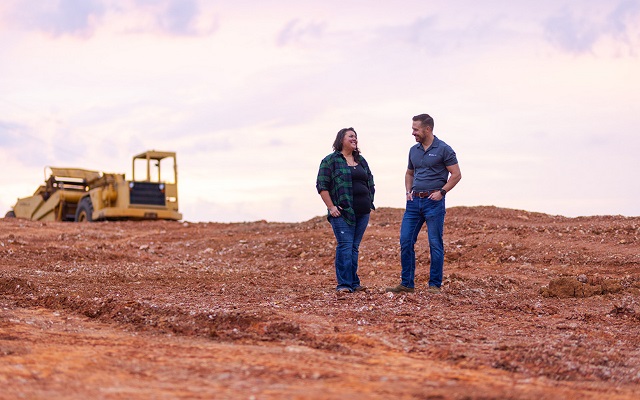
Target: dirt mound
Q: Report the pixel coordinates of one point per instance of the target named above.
(581, 287)
(533, 306)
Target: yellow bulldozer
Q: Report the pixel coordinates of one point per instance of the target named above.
(74, 194)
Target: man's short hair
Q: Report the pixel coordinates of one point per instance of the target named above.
(425, 120)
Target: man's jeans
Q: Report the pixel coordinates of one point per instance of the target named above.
(417, 212)
(348, 239)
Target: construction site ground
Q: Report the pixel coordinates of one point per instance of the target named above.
(533, 306)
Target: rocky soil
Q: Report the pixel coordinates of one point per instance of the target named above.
(534, 306)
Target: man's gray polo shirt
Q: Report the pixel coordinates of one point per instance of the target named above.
(430, 166)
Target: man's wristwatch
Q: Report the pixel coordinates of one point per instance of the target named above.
(443, 192)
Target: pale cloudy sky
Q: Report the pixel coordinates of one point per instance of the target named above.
(540, 100)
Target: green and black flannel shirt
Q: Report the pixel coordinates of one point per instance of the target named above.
(334, 176)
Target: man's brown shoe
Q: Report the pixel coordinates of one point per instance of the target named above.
(433, 289)
(342, 293)
(361, 289)
(399, 289)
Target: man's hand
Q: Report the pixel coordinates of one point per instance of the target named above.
(436, 196)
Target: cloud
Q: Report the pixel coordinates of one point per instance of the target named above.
(8, 137)
(294, 31)
(62, 17)
(178, 16)
(82, 18)
(571, 33)
(580, 33)
(437, 34)
(21, 143)
(623, 16)
(175, 17)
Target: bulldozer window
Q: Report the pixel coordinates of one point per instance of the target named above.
(159, 170)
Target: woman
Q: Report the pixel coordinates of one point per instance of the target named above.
(345, 184)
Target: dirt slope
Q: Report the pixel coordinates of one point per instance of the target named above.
(533, 307)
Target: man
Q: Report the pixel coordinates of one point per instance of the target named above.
(431, 173)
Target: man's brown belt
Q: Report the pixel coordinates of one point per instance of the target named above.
(424, 194)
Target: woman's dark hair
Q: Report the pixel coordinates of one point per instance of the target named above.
(337, 144)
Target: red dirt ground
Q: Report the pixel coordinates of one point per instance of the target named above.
(533, 306)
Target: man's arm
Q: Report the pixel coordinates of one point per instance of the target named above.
(454, 177)
(408, 183)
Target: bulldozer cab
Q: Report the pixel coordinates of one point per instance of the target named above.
(157, 167)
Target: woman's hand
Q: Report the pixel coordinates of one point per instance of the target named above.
(334, 211)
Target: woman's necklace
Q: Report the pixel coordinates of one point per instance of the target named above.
(352, 163)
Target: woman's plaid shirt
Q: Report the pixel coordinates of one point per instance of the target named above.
(334, 176)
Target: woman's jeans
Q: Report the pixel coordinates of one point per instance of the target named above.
(348, 239)
(419, 211)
